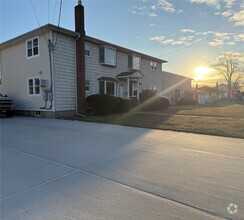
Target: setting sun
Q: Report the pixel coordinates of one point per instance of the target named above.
(201, 72)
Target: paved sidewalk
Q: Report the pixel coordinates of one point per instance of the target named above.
(58, 169)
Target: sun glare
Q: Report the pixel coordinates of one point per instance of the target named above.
(201, 72)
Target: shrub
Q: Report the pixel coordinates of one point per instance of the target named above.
(146, 95)
(120, 105)
(187, 102)
(105, 104)
(151, 102)
(156, 103)
(101, 104)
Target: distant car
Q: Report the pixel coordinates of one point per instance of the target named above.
(6, 105)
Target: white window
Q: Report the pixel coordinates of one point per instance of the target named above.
(87, 86)
(107, 87)
(87, 49)
(34, 86)
(108, 56)
(134, 62)
(32, 48)
(133, 89)
(153, 65)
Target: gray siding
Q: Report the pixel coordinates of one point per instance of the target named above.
(64, 66)
(94, 70)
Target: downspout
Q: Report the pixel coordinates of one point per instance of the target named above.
(50, 48)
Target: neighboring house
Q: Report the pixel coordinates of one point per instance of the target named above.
(49, 71)
(176, 87)
(224, 90)
(206, 94)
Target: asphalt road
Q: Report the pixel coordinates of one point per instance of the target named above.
(56, 169)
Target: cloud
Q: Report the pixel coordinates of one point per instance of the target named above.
(226, 13)
(156, 25)
(216, 43)
(188, 38)
(238, 18)
(236, 56)
(231, 43)
(173, 42)
(212, 3)
(239, 37)
(152, 15)
(157, 38)
(187, 31)
(229, 3)
(165, 5)
(162, 40)
(151, 7)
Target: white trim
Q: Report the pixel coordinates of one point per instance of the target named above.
(109, 48)
(89, 85)
(105, 86)
(26, 48)
(154, 64)
(89, 50)
(33, 95)
(133, 67)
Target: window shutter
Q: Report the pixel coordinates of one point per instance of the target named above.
(101, 54)
(130, 61)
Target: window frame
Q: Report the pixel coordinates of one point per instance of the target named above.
(153, 65)
(32, 48)
(132, 56)
(105, 48)
(87, 85)
(34, 94)
(86, 43)
(105, 87)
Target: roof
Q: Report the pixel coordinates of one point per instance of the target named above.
(107, 79)
(206, 89)
(178, 75)
(48, 27)
(41, 30)
(130, 74)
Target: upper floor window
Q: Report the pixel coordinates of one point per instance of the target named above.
(134, 62)
(34, 86)
(32, 47)
(108, 56)
(153, 65)
(87, 49)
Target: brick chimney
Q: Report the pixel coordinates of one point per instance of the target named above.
(80, 58)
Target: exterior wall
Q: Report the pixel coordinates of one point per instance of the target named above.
(17, 69)
(94, 70)
(64, 67)
(152, 78)
(174, 86)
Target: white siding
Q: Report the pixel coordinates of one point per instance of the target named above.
(16, 70)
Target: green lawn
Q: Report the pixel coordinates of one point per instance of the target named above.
(221, 120)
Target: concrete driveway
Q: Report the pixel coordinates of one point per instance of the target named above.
(57, 169)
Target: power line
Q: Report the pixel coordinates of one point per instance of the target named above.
(59, 18)
(196, 42)
(54, 12)
(41, 28)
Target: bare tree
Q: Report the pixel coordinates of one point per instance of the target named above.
(229, 67)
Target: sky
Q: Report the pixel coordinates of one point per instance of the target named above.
(186, 33)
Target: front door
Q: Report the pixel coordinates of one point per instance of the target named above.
(121, 90)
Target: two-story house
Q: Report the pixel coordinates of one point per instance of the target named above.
(50, 70)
